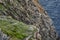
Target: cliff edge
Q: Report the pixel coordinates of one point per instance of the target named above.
(25, 20)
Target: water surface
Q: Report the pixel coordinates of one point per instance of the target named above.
(53, 9)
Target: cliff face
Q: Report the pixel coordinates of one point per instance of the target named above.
(30, 12)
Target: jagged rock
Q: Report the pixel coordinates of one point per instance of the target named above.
(3, 36)
(30, 12)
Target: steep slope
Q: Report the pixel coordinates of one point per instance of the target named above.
(30, 13)
(53, 9)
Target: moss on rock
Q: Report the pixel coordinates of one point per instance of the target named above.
(14, 28)
(2, 7)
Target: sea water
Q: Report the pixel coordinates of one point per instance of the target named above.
(53, 9)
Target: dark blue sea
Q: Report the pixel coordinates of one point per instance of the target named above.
(53, 9)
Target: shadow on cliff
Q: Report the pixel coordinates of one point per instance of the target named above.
(58, 38)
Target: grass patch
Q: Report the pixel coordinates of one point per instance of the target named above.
(14, 28)
(2, 7)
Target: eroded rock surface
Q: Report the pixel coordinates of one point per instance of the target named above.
(30, 12)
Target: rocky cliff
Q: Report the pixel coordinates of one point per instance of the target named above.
(25, 20)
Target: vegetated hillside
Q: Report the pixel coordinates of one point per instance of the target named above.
(25, 20)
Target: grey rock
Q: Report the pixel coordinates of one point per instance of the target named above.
(31, 13)
(3, 36)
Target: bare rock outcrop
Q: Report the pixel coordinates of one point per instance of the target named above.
(30, 12)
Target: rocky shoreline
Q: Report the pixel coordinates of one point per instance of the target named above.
(25, 20)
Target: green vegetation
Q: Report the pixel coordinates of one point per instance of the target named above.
(14, 28)
(2, 7)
